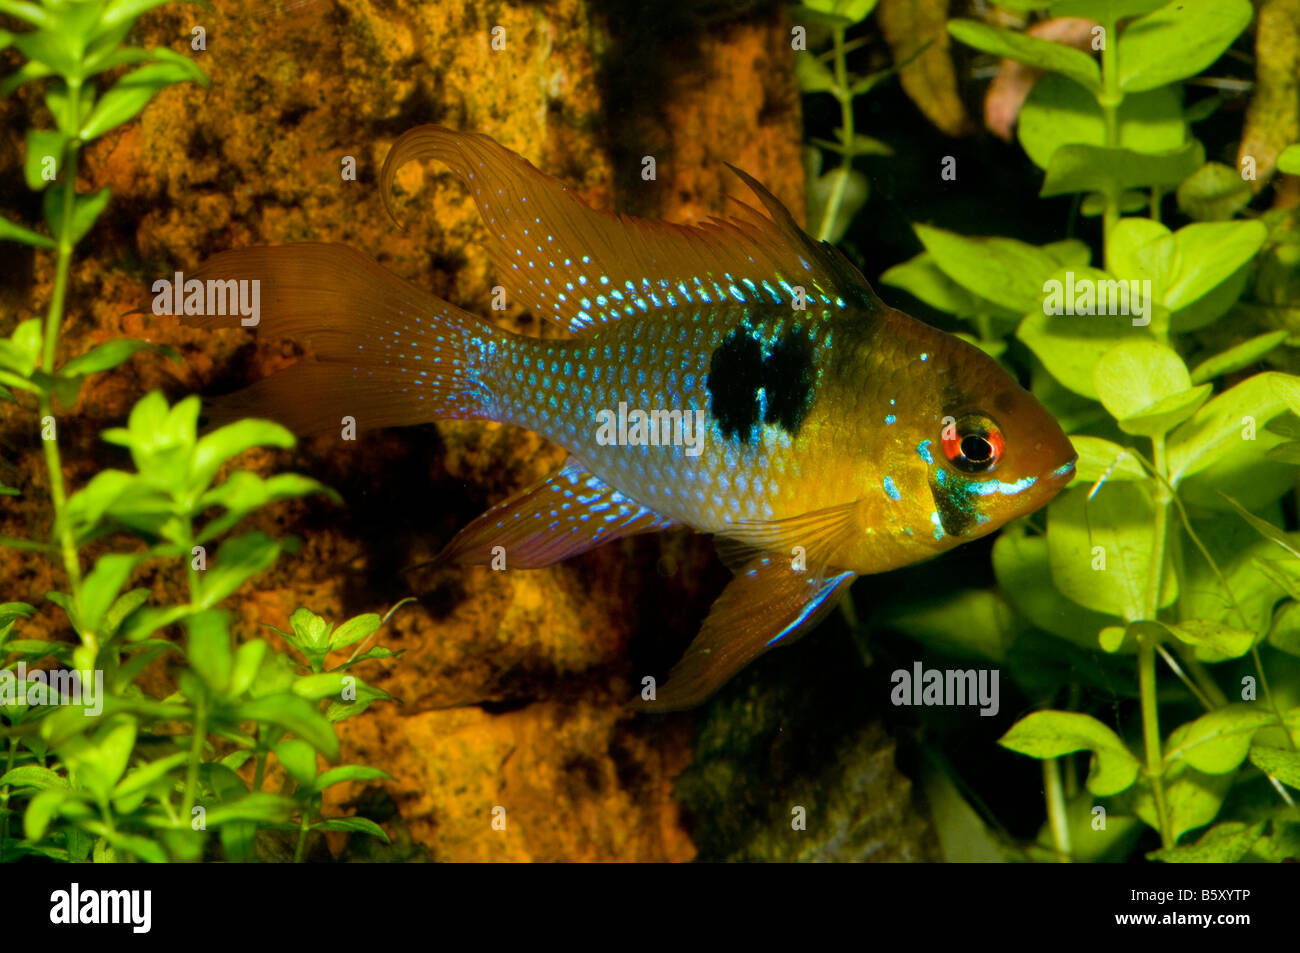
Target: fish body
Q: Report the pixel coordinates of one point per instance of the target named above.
(736, 378)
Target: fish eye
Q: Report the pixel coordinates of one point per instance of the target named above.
(973, 443)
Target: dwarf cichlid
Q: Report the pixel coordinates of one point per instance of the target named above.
(735, 377)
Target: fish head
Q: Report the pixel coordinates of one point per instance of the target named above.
(990, 450)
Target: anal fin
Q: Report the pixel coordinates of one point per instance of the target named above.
(568, 513)
(767, 603)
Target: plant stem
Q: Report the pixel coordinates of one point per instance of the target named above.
(846, 123)
(1147, 649)
(1109, 101)
(1151, 734)
(61, 533)
(4, 795)
(1056, 807)
(302, 836)
(196, 758)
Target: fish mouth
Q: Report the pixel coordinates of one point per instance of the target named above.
(1065, 472)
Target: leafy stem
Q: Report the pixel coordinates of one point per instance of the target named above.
(842, 93)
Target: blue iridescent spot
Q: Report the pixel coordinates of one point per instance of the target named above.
(892, 491)
(923, 451)
(938, 524)
(890, 420)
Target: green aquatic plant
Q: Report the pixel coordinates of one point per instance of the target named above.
(1166, 547)
(96, 762)
(837, 195)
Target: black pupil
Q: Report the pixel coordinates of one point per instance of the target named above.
(976, 448)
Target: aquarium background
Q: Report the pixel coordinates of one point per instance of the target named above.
(505, 735)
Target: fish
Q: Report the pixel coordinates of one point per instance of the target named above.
(734, 377)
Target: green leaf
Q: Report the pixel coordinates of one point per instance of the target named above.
(122, 12)
(925, 281)
(1225, 429)
(355, 629)
(1166, 413)
(100, 588)
(1213, 641)
(293, 714)
(129, 95)
(1224, 843)
(41, 810)
(35, 776)
(965, 622)
(1076, 167)
(1141, 248)
(1279, 763)
(1214, 192)
(1104, 11)
(1134, 375)
(148, 774)
(122, 607)
(1051, 734)
(238, 558)
(28, 12)
(42, 146)
(299, 759)
(1177, 41)
(105, 356)
(207, 646)
(1020, 562)
(1058, 112)
(248, 661)
(349, 772)
(361, 825)
(244, 492)
(85, 210)
(1046, 55)
(231, 440)
(1069, 346)
(98, 763)
(1207, 254)
(10, 231)
(1242, 355)
(161, 440)
(1100, 458)
(1100, 550)
(1289, 160)
(1284, 634)
(1218, 741)
(1005, 271)
(1237, 550)
(811, 74)
(254, 806)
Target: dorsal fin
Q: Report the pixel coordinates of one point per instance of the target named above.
(581, 267)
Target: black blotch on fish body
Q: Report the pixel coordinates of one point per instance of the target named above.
(739, 370)
(952, 506)
(788, 373)
(735, 375)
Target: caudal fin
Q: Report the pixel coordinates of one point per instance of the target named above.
(380, 350)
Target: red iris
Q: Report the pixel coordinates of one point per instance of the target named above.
(973, 445)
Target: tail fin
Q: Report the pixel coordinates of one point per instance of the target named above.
(381, 350)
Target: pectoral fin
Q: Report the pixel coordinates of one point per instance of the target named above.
(565, 514)
(767, 603)
(818, 535)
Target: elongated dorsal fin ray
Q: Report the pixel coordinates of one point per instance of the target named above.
(565, 514)
(766, 604)
(581, 267)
